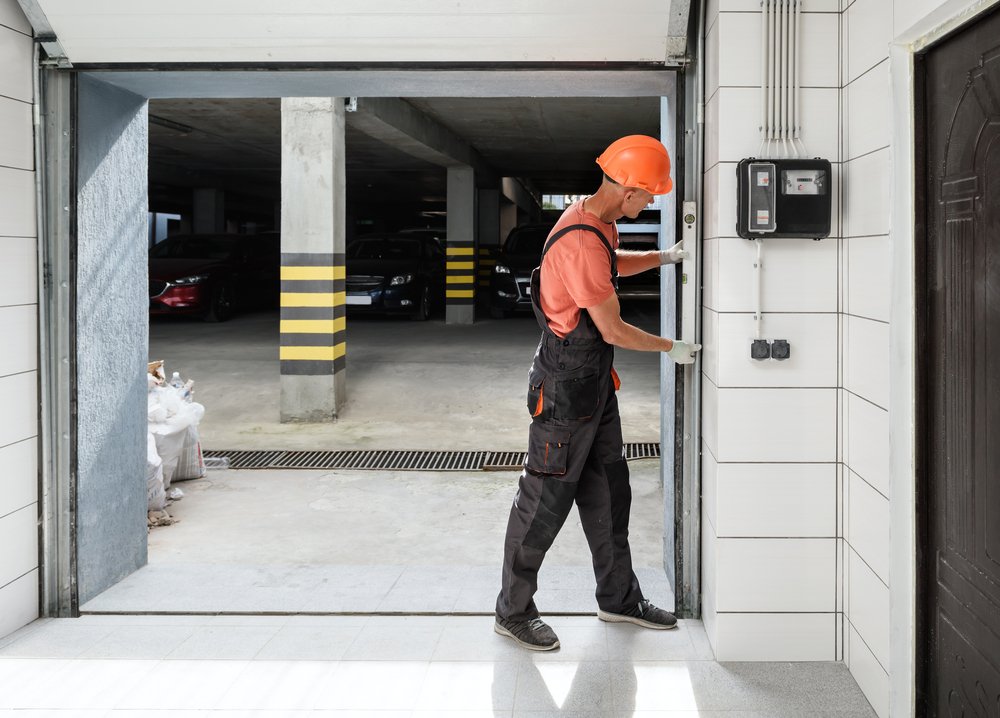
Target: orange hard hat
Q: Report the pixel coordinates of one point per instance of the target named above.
(638, 161)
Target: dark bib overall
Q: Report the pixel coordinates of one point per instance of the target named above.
(575, 453)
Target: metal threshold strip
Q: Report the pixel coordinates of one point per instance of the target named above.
(397, 460)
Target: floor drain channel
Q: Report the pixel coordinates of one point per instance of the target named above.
(397, 460)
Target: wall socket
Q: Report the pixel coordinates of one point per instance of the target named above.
(777, 349)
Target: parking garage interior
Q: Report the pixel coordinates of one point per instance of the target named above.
(389, 541)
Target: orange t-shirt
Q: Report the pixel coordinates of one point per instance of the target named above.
(576, 272)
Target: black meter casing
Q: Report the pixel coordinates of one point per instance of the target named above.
(783, 198)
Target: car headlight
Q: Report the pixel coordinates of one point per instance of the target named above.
(400, 279)
(193, 279)
(501, 269)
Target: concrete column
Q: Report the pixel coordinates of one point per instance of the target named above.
(209, 211)
(461, 288)
(313, 322)
(488, 219)
(508, 218)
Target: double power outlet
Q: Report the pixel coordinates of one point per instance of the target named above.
(778, 349)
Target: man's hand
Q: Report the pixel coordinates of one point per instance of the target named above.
(674, 255)
(683, 352)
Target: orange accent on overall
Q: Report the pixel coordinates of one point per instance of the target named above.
(541, 401)
(615, 379)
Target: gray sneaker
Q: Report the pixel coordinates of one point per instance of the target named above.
(535, 634)
(643, 614)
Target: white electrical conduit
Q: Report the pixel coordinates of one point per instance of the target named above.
(780, 114)
(758, 318)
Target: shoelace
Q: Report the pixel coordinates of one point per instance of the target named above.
(535, 624)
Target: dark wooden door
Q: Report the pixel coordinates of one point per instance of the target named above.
(960, 371)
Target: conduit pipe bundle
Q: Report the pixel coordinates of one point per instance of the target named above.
(779, 69)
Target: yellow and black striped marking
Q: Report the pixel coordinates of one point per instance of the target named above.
(487, 260)
(460, 274)
(313, 314)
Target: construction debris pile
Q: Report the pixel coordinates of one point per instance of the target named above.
(173, 447)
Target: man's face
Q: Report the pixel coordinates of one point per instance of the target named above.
(635, 201)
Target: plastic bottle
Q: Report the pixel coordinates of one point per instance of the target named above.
(175, 381)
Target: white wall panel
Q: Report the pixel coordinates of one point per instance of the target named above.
(18, 476)
(907, 12)
(820, 51)
(710, 345)
(867, 447)
(16, 148)
(17, 202)
(867, 275)
(16, 52)
(358, 31)
(712, 60)
(866, 195)
(12, 17)
(712, 130)
(18, 265)
(713, 202)
(868, 525)
(773, 500)
(739, 37)
(866, 110)
(19, 328)
(709, 487)
(868, 608)
(18, 603)
(871, 677)
(19, 538)
(777, 425)
(710, 416)
(19, 398)
(867, 367)
(793, 575)
(813, 361)
(775, 637)
(710, 273)
(869, 30)
(798, 275)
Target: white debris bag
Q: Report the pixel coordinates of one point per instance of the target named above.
(173, 421)
(156, 497)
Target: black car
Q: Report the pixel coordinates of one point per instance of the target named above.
(511, 278)
(212, 276)
(395, 274)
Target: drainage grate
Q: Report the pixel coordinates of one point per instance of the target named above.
(397, 460)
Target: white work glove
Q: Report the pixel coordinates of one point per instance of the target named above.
(683, 352)
(674, 255)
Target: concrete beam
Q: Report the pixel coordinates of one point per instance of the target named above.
(399, 124)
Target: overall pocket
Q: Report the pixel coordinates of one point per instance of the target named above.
(536, 393)
(576, 395)
(548, 449)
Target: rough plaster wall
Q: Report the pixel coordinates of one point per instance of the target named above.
(112, 334)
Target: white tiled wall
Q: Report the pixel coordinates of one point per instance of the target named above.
(19, 325)
(770, 429)
(797, 453)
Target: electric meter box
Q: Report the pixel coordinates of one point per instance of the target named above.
(783, 198)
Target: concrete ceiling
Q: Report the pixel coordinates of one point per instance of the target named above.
(235, 144)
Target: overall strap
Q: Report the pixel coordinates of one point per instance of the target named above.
(566, 230)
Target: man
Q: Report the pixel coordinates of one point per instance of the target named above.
(575, 448)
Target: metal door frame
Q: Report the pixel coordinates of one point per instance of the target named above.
(56, 147)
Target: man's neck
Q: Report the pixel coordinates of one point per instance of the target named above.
(604, 205)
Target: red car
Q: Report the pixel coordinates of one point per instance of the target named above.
(214, 275)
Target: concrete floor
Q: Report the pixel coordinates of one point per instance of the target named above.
(410, 385)
(368, 542)
(395, 667)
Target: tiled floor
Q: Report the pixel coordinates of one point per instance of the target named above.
(386, 667)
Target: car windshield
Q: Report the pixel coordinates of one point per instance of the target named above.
(527, 241)
(195, 248)
(384, 248)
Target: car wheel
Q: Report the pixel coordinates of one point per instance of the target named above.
(424, 309)
(498, 313)
(220, 308)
